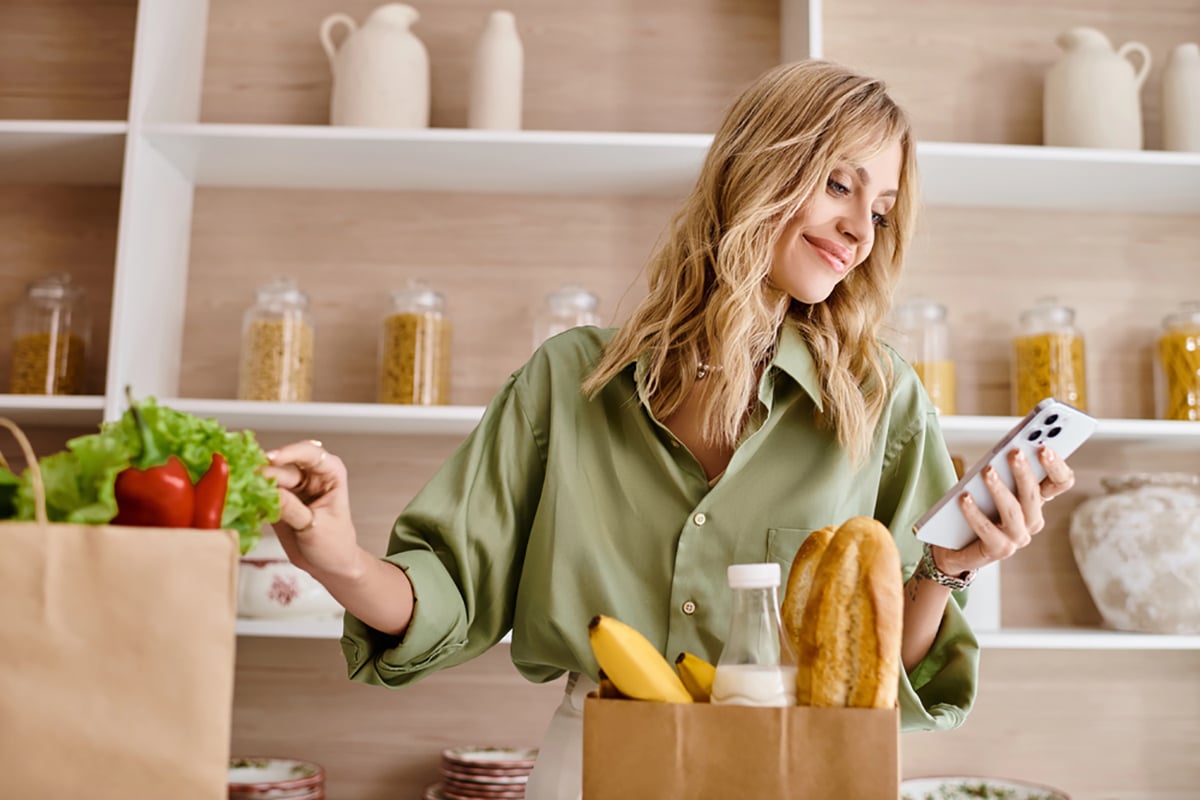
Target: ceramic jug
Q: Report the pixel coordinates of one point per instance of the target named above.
(380, 71)
(1181, 99)
(1093, 93)
(496, 75)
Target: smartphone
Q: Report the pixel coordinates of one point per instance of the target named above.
(1052, 423)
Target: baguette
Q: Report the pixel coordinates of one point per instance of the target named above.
(849, 644)
(795, 596)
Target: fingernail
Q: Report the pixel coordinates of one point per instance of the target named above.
(966, 498)
(315, 442)
(1018, 455)
(989, 474)
(1047, 453)
(272, 455)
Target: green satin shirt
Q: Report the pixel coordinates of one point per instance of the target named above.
(557, 508)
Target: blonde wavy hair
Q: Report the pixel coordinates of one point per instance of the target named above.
(710, 300)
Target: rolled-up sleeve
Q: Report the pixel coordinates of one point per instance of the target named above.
(461, 541)
(938, 693)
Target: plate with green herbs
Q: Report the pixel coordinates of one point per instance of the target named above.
(960, 788)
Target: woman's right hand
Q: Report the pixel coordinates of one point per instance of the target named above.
(315, 527)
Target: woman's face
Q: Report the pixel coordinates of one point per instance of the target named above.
(836, 231)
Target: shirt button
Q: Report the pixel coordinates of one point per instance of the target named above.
(675, 444)
(689, 607)
(700, 519)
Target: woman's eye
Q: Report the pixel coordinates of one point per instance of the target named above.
(837, 188)
(879, 220)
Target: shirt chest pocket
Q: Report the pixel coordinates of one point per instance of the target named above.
(782, 544)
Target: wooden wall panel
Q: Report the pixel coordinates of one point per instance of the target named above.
(292, 698)
(493, 257)
(972, 70)
(1099, 726)
(671, 65)
(66, 59)
(46, 229)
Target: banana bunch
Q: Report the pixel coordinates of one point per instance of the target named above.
(633, 665)
(632, 669)
(697, 676)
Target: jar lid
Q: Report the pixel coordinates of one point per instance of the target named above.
(753, 576)
(281, 293)
(572, 298)
(917, 312)
(56, 286)
(1048, 311)
(418, 294)
(1188, 316)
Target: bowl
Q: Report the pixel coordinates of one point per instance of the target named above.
(271, 587)
(976, 788)
(269, 778)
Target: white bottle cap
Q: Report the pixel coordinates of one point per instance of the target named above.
(753, 576)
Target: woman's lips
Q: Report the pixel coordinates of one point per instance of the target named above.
(836, 256)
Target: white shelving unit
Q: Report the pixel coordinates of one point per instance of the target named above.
(162, 153)
(1013, 639)
(73, 153)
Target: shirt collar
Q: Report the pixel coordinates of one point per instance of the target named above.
(793, 356)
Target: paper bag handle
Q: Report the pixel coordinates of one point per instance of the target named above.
(35, 469)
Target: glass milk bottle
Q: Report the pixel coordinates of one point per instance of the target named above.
(925, 343)
(757, 666)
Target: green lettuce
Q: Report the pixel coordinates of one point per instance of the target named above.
(80, 480)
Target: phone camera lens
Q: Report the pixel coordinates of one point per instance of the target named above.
(1035, 435)
(1050, 420)
(1053, 432)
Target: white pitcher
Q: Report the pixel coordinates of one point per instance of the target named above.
(380, 72)
(1093, 94)
(1181, 99)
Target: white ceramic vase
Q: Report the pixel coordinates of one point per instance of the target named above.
(1138, 550)
(1093, 94)
(380, 71)
(1181, 99)
(497, 76)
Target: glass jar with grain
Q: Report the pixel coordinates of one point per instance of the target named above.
(568, 307)
(1048, 358)
(1178, 364)
(51, 332)
(414, 348)
(924, 341)
(278, 337)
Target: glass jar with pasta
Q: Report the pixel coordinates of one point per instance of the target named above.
(51, 331)
(278, 338)
(1048, 358)
(414, 348)
(923, 338)
(1178, 364)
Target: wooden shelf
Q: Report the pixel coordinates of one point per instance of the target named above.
(580, 162)
(74, 153)
(1084, 639)
(369, 418)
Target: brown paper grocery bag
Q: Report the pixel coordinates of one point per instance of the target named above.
(116, 659)
(673, 751)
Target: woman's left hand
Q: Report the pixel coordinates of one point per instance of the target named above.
(1020, 513)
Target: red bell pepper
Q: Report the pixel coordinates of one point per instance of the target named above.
(156, 490)
(210, 494)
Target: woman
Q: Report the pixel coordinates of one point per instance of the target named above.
(746, 402)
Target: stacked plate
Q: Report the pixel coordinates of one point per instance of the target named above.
(482, 773)
(275, 779)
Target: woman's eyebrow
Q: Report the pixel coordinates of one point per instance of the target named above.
(865, 177)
